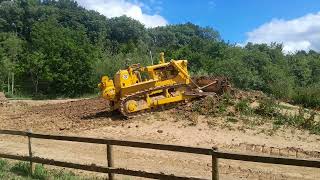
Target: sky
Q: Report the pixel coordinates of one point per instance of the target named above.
(295, 23)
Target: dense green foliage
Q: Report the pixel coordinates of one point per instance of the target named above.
(57, 48)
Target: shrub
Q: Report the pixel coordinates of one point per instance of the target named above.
(299, 121)
(62, 175)
(21, 168)
(40, 172)
(224, 103)
(295, 121)
(315, 129)
(212, 105)
(3, 164)
(243, 107)
(308, 96)
(267, 108)
(206, 106)
(222, 107)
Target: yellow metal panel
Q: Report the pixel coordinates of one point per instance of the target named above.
(137, 87)
(168, 100)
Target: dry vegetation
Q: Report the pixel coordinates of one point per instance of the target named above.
(250, 109)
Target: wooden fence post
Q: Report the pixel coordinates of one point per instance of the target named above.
(110, 160)
(30, 150)
(215, 171)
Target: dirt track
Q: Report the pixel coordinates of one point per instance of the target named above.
(89, 118)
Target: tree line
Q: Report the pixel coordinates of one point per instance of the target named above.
(57, 48)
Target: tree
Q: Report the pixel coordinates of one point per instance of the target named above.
(124, 29)
(68, 57)
(11, 47)
(10, 17)
(36, 68)
(300, 69)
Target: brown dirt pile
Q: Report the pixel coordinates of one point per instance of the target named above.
(220, 104)
(79, 109)
(73, 116)
(250, 95)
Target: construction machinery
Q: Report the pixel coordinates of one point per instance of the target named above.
(137, 89)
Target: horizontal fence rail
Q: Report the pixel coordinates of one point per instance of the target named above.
(268, 159)
(95, 168)
(165, 147)
(175, 148)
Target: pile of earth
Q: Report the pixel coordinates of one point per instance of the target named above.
(217, 105)
(69, 116)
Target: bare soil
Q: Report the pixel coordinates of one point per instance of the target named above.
(2, 97)
(90, 117)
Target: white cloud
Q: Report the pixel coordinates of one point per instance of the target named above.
(133, 9)
(211, 4)
(302, 33)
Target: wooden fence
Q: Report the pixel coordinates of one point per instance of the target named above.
(110, 170)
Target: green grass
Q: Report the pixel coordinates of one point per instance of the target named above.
(18, 96)
(21, 171)
(92, 95)
(243, 107)
(21, 168)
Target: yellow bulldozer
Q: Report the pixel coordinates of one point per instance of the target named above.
(136, 90)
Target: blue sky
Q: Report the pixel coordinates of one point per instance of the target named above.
(295, 23)
(234, 18)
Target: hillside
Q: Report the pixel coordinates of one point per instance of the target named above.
(228, 125)
(55, 49)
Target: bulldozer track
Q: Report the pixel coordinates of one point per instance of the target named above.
(150, 110)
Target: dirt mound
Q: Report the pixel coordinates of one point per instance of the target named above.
(227, 104)
(79, 109)
(250, 95)
(72, 116)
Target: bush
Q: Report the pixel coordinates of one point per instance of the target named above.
(308, 96)
(62, 175)
(299, 121)
(40, 172)
(243, 107)
(295, 121)
(3, 164)
(206, 106)
(21, 168)
(315, 129)
(267, 108)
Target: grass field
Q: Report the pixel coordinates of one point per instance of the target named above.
(21, 171)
